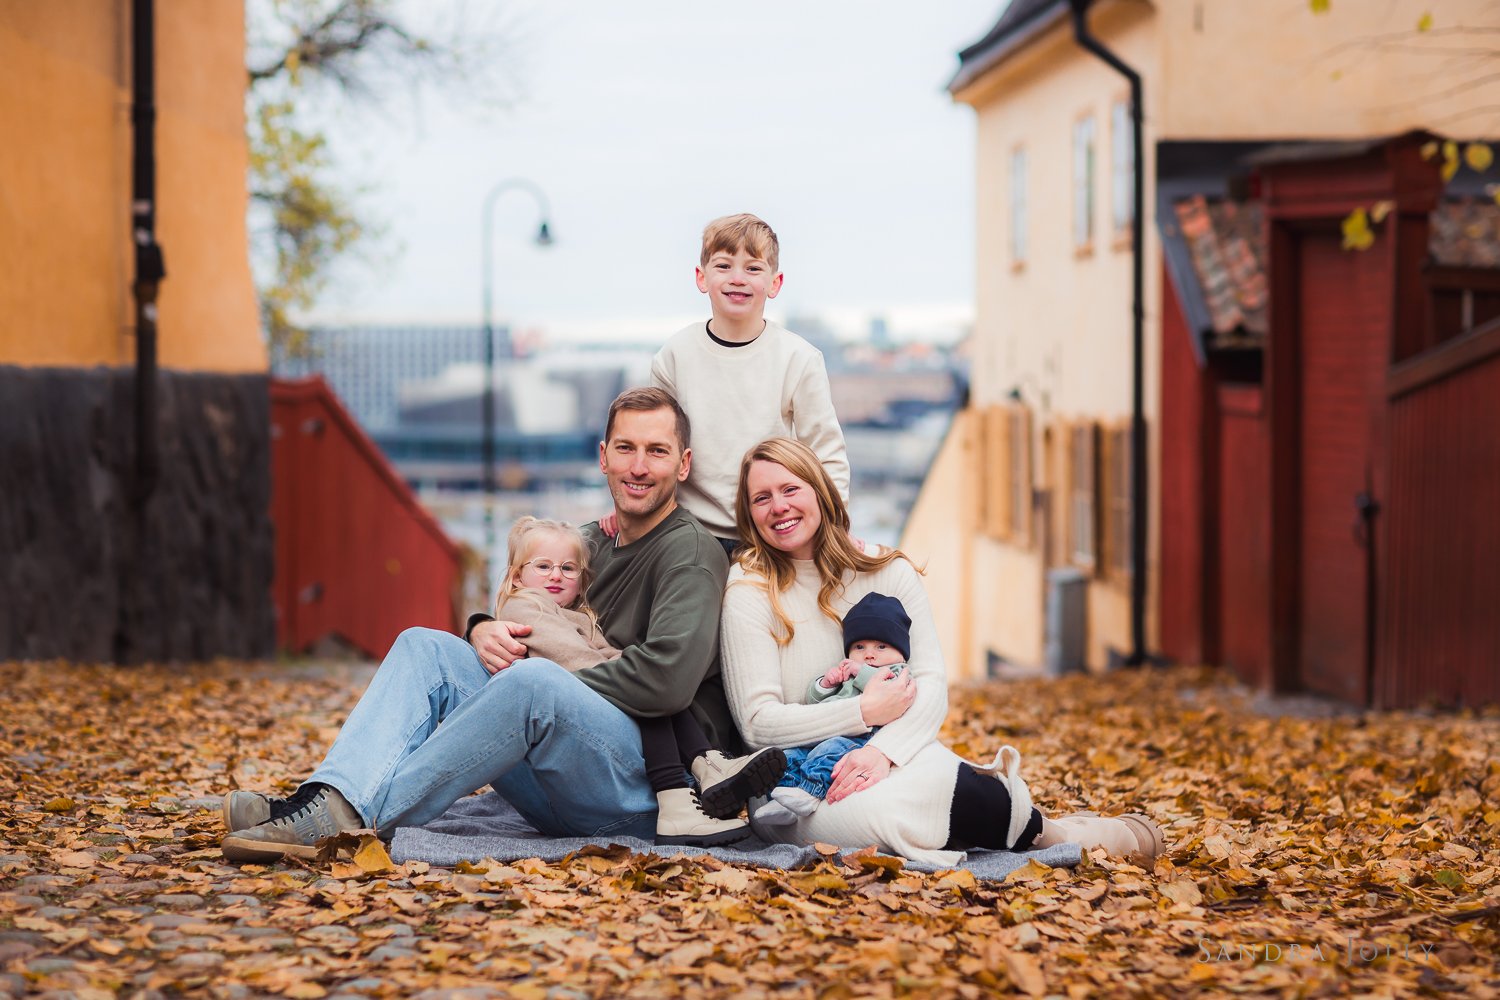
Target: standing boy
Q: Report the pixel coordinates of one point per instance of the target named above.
(742, 378)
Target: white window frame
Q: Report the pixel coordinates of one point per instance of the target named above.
(1018, 215)
(1085, 131)
(1122, 167)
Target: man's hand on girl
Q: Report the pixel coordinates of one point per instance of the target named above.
(857, 770)
(497, 643)
(887, 697)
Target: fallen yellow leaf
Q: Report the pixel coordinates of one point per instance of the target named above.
(372, 856)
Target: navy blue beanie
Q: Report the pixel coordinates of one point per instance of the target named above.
(881, 618)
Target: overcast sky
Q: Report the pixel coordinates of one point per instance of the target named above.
(642, 121)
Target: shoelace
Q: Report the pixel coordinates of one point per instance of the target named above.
(295, 803)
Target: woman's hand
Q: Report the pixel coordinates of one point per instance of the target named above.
(887, 697)
(497, 645)
(857, 770)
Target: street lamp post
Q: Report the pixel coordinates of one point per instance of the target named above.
(487, 405)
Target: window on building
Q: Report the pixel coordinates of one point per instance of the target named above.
(1083, 183)
(1122, 167)
(1081, 488)
(1018, 206)
(1458, 300)
(1116, 496)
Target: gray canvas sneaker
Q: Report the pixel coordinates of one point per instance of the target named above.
(243, 809)
(313, 813)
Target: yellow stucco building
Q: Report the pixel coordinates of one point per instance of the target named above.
(136, 512)
(1034, 474)
(65, 186)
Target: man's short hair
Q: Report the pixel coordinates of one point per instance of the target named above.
(734, 233)
(646, 399)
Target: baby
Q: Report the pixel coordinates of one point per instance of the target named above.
(877, 638)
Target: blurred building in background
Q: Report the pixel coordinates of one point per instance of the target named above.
(1300, 397)
(420, 403)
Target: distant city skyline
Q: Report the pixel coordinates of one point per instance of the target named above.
(642, 122)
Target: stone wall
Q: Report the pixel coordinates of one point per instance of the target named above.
(88, 574)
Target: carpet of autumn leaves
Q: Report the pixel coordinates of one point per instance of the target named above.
(1309, 855)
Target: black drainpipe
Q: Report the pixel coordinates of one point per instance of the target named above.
(149, 265)
(1138, 510)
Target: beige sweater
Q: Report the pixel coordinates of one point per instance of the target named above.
(736, 397)
(571, 639)
(908, 812)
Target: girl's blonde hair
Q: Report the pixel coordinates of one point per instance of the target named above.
(834, 552)
(523, 537)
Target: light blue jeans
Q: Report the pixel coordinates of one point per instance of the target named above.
(569, 761)
(810, 768)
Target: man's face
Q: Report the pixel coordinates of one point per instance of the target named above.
(643, 462)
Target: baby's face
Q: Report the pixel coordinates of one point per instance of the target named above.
(875, 653)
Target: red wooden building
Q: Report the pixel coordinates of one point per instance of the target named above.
(1330, 456)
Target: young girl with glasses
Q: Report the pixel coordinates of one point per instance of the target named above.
(545, 587)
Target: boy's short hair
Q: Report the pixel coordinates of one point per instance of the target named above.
(645, 400)
(734, 233)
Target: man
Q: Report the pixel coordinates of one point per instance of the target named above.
(559, 746)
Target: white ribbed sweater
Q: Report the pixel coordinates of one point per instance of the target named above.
(908, 812)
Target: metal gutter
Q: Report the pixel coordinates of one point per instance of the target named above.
(149, 266)
(1139, 513)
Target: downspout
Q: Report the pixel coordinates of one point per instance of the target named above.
(149, 265)
(1138, 510)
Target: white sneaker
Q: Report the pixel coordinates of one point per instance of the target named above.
(796, 800)
(773, 813)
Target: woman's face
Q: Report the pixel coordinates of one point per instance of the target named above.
(547, 567)
(783, 508)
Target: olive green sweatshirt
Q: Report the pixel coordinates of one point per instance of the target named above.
(658, 599)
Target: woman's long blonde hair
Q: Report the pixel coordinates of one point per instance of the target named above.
(834, 553)
(519, 545)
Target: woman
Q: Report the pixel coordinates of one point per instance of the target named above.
(796, 575)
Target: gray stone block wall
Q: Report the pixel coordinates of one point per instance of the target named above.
(88, 575)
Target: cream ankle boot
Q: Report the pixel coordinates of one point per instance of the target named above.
(680, 819)
(1132, 836)
(725, 784)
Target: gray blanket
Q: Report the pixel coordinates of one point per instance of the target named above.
(486, 826)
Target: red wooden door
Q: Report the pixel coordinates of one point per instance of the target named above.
(1343, 315)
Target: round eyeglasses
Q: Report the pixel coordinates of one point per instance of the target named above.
(545, 567)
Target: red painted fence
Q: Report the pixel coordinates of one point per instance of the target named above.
(357, 557)
(1440, 627)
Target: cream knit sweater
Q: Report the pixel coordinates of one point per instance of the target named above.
(736, 397)
(908, 812)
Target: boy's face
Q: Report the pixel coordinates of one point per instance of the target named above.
(875, 653)
(737, 284)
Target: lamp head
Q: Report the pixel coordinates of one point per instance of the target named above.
(543, 235)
